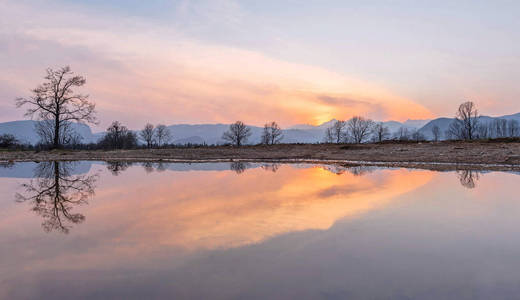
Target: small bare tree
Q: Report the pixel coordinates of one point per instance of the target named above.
(483, 131)
(162, 135)
(436, 132)
(499, 128)
(402, 134)
(466, 123)
(329, 136)
(513, 128)
(336, 132)
(266, 135)
(54, 101)
(359, 129)
(417, 136)
(272, 134)
(147, 134)
(237, 134)
(118, 137)
(380, 132)
(8, 140)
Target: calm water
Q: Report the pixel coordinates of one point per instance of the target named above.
(256, 231)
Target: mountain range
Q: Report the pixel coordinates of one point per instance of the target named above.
(212, 133)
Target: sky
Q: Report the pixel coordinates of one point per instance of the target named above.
(294, 62)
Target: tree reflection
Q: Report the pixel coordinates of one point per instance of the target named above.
(360, 170)
(468, 178)
(238, 166)
(116, 167)
(271, 167)
(336, 169)
(54, 192)
(149, 167)
(354, 170)
(6, 164)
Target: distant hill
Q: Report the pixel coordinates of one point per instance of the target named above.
(212, 133)
(25, 132)
(415, 123)
(444, 124)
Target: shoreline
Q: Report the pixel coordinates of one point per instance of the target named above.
(433, 156)
(434, 166)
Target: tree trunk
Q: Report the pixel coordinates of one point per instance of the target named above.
(56, 133)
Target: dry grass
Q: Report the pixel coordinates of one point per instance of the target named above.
(502, 153)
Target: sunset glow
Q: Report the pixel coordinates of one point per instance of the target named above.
(213, 71)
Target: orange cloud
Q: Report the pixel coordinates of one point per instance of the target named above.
(138, 78)
(142, 70)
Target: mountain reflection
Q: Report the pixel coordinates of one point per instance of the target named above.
(54, 192)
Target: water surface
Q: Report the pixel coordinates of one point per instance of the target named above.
(256, 231)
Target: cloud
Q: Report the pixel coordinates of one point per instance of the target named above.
(143, 72)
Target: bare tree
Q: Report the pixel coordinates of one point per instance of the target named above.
(417, 136)
(336, 132)
(272, 134)
(380, 132)
(8, 140)
(498, 128)
(67, 136)
(266, 135)
(359, 129)
(237, 134)
(275, 133)
(329, 136)
(483, 131)
(513, 128)
(118, 137)
(436, 132)
(466, 123)
(162, 135)
(402, 134)
(54, 101)
(55, 192)
(147, 134)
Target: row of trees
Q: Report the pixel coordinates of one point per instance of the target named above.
(469, 125)
(8, 141)
(56, 105)
(119, 136)
(238, 134)
(155, 136)
(356, 130)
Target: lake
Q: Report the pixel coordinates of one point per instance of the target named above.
(96, 230)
